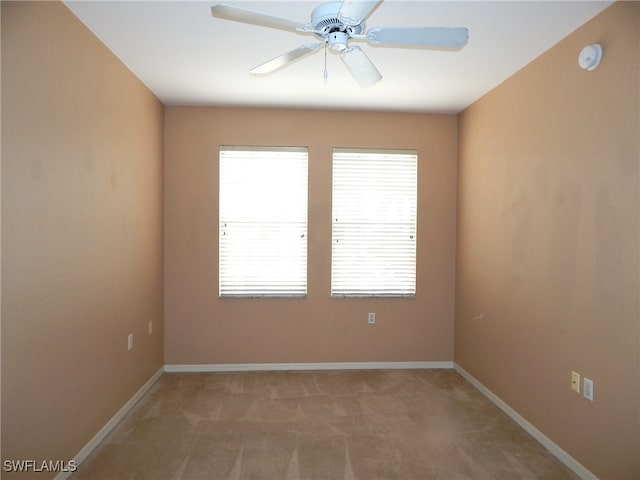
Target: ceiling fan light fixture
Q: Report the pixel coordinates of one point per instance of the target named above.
(337, 41)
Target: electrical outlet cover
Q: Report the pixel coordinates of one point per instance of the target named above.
(575, 382)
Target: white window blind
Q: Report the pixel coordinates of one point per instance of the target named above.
(263, 221)
(374, 223)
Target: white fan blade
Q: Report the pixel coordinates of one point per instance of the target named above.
(229, 12)
(285, 59)
(354, 12)
(360, 66)
(426, 37)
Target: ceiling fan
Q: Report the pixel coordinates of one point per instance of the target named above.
(337, 23)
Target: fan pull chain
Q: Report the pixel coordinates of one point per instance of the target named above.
(326, 73)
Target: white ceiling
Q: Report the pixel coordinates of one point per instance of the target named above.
(187, 57)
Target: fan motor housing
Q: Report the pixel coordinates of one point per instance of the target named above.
(325, 21)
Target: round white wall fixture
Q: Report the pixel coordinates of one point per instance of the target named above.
(590, 57)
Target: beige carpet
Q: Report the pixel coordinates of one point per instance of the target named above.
(400, 424)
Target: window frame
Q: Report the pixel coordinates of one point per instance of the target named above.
(299, 285)
(338, 288)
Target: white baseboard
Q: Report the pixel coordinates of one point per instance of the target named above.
(259, 367)
(104, 431)
(546, 442)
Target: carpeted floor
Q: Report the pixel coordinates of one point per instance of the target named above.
(397, 424)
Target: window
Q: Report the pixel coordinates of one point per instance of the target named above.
(263, 222)
(374, 223)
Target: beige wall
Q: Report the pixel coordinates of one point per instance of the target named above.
(202, 329)
(547, 259)
(547, 254)
(81, 233)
